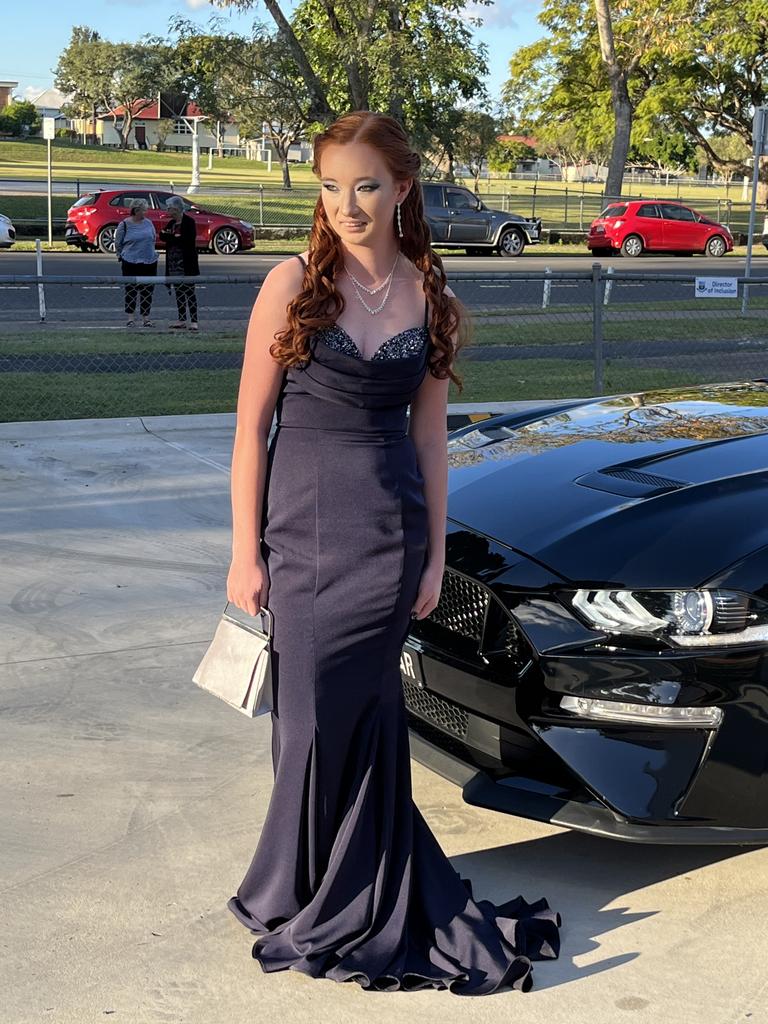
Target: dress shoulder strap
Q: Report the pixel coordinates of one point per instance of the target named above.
(426, 311)
(299, 256)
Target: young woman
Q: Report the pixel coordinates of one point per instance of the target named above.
(339, 528)
(180, 237)
(135, 249)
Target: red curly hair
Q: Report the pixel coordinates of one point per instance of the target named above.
(319, 303)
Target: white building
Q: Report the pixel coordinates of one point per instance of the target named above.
(148, 130)
(48, 104)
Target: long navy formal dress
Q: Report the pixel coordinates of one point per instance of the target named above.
(347, 881)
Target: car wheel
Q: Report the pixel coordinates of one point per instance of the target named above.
(632, 246)
(226, 242)
(106, 238)
(716, 246)
(511, 243)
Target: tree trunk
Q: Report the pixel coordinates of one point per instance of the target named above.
(395, 105)
(622, 106)
(320, 108)
(121, 133)
(622, 113)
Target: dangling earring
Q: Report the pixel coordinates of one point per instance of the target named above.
(399, 222)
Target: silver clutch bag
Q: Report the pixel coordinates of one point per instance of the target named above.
(237, 666)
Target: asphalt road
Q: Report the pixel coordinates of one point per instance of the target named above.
(97, 304)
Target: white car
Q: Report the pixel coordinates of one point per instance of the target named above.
(7, 232)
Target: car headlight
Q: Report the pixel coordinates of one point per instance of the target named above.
(688, 618)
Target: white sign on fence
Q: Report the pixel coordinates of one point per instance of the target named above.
(717, 288)
(49, 127)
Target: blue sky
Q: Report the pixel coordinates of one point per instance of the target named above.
(31, 48)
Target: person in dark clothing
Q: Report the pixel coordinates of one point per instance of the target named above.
(180, 237)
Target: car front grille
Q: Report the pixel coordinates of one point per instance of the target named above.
(462, 606)
(471, 623)
(444, 714)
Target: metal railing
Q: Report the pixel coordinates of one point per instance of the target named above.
(66, 351)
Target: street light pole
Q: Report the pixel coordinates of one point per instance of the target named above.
(194, 124)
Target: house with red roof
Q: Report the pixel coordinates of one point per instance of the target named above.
(148, 130)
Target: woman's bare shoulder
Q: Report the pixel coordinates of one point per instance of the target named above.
(288, 274)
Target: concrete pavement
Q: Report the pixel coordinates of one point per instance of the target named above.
(132, 801)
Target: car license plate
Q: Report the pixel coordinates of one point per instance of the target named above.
(410, 666)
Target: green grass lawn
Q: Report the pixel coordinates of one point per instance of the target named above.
(56, 395)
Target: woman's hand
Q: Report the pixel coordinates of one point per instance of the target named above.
(248, 584)
(429, 590)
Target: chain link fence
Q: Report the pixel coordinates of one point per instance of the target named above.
(66, 350)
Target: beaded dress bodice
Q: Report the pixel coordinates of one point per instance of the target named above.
(401, 345)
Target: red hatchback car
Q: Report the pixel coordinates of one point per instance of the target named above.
(638, 225)
(91, 222)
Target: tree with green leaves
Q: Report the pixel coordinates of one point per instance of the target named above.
(84, 73)
(19, 118)
(140, 72)
(477, 131)
(504, 155)
(417, 61)
(690, 66)
(121, 79)
(250, 79)
(204, 61)
(711, 86)
(729, 154)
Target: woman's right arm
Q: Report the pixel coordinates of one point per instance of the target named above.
(260, 381)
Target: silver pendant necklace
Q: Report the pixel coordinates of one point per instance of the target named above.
(372, 291)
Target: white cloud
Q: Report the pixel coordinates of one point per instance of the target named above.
(195, 5)
(500, 14)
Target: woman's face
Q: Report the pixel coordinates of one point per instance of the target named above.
(175, 212)
(358, 192)
(138, 214)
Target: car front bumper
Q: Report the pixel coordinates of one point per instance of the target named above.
(521, 796)
(499, 731)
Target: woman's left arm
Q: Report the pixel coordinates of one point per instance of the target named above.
(428, 428)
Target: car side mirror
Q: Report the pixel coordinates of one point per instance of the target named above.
(479, 204)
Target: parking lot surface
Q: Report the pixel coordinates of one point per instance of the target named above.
(132, 801)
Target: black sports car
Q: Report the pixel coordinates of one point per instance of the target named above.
(599, 654)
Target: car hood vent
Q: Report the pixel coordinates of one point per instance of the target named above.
(629, 482)
(637, 481)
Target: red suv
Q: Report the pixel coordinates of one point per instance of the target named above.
(91, 222)
(639, 225)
